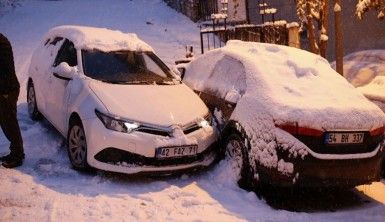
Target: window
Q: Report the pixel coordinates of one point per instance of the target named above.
(152, 66)
(228, 74)
(125, 67)
(67, 53)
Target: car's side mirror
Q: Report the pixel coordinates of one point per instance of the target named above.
(64, 71)
(181, 71)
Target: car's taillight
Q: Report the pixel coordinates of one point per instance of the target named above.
(299, 130)
(378, 131)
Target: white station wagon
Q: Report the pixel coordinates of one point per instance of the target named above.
(119, 106)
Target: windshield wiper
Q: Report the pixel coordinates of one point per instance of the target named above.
(168, 82)
(136, 82)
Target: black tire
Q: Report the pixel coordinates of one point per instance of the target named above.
(77, 145)
(236, 150)
(33, 110)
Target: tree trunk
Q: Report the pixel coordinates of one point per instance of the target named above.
(310, 29)
(324, 28)
(338, 37)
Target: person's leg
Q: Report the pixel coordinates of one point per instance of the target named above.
(10, 126)
(3, 108)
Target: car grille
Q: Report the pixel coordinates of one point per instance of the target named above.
(154, 131)
(317, 145)
(187, 129)
(117, 156)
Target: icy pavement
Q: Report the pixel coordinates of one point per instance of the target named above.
(45, 188)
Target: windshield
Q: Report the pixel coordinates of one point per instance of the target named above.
(126, 67)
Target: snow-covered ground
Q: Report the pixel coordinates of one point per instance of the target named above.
(45, 188)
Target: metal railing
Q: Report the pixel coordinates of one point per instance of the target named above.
(216, 35)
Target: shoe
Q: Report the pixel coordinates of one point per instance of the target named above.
(5, 158)
(12, 163)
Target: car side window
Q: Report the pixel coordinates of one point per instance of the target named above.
(228, 75)
(67, 53)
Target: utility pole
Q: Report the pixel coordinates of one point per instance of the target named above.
(339, 47)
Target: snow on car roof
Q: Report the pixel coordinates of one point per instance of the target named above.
(102, 39)
(293, 86)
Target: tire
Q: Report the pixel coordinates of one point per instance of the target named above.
(236, 151)
(33, 110)
(77, 146)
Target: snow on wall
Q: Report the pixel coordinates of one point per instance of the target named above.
(99, 38)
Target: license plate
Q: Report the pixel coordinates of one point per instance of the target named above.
(178, 151)
(344, 138)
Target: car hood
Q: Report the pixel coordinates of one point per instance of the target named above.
(161, 105)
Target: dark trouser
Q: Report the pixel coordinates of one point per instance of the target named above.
(9, 124)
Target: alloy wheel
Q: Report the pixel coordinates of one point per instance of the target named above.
(77, 147)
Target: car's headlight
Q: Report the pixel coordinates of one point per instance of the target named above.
(116, 124)
(206, 121)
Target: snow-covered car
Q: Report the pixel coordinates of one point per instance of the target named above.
(287, 118)
(119, 106)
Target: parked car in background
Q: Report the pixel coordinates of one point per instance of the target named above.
(119, 106)
(287, 118)
(366, 71)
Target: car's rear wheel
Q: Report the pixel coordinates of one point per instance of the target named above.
(237, 154)
(77, 145)
(33, 111)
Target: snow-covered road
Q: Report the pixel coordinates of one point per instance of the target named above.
(45, 188)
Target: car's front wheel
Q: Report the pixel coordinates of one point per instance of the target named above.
(33, 111)
(237, 155)
(77, 145)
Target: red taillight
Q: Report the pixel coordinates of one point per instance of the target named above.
(289, 128)
(298, 130)
(378, 131)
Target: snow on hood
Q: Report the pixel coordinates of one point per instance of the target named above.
(99, 38)
(158, 105)
(298, 86)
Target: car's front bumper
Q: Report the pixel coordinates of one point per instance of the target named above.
(134, 153)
